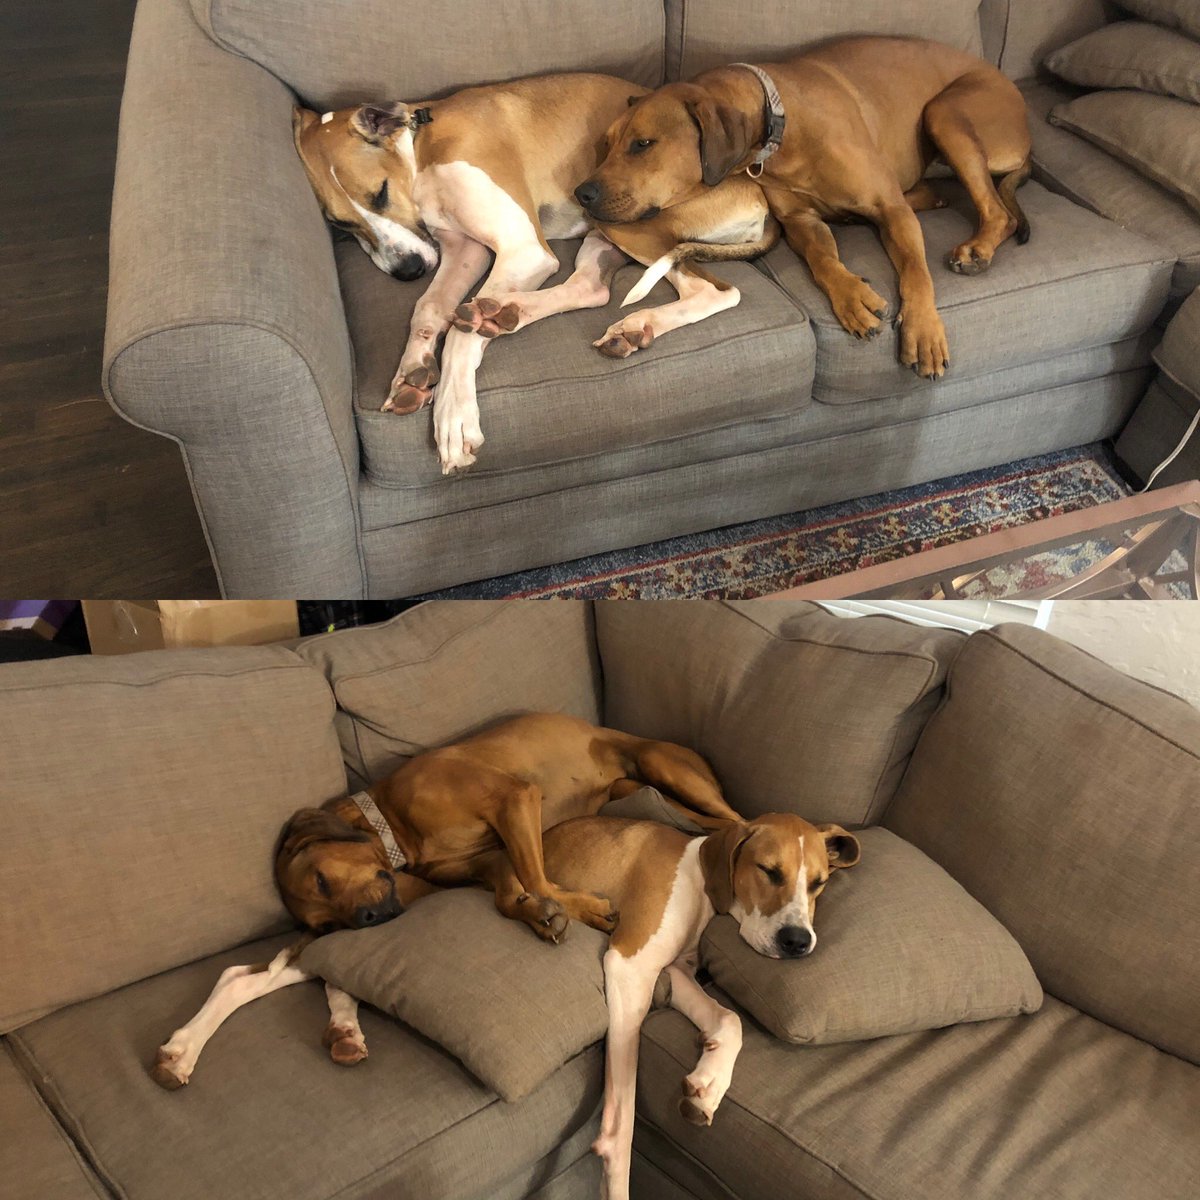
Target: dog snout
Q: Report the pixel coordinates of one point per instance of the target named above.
(588, 193)
(794, 941)
(411, 266)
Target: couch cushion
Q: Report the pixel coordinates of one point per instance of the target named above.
(900, 947)
(1080, 282)
(1177, 353)
(444, 669)
(1173, 14)
(1030, 29)
(548, 397)
(37, 1158)
(1065, 163)
(764, 689)
(1132, 54)
(520, 1010)
(707, 33)
(268, 1114)
(1062, 795)
(337, 54)
(1055, 1105)
(140, 798)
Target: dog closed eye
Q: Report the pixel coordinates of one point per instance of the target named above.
(814, 884)
(380, 199)
(322, 884)
(774, 874)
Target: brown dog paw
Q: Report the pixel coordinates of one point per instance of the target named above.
(547, 918)
(413, 387)
(596, 911)
(621, 343)
(968, 259)
(345, 1044)
(859, 308)
(923, 345)
(487, 317)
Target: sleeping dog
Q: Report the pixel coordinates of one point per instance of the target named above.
(493, 171)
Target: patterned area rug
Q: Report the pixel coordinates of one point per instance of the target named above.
(760, 557)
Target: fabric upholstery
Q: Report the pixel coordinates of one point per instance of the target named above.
(1132, 54)
(443, 670)
(548, 397)
(900, 947)
(1054, 1105)
(1173, 14)
(343, 53)
(140, 798)
(1159, 135)
(707, 33)
(762, 690)
(1061, 794)
(267, 1113)
(1065, 163)
(648, 804)
(1155, 429)
(1177, 354)
(1079, 282)
(36, 1157)
(1033, 28)
(514, 1016)
(223, 312)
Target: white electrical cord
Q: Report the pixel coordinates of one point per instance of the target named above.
(1166, 462)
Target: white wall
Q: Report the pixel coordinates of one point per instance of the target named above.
(1158, 641)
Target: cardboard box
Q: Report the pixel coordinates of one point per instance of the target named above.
(123, 626)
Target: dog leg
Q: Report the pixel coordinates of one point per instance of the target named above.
(721, 1037)
(586, 287)
(684, 774)
(456, 410)
(177, 1056)
(923, 197)
(343, 1035)
(463, 261)
(628, 990)
(701, 295)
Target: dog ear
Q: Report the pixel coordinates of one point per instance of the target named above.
(310, 825)
(302, 119)
(377, 122)
(632, 100)
(841, 847)
(718, 860)
(725, 137)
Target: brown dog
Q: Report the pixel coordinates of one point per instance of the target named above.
(863, 119)
(474, 812)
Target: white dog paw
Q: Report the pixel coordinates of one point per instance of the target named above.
(346, 1044)
(459, 436)
(172, 1065)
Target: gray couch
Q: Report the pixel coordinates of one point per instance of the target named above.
(142, 794)
(237, 327)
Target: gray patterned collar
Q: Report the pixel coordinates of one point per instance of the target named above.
(774, 117)
(378, 822)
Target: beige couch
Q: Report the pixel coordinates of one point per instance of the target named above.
(238, 328)
(141, 796)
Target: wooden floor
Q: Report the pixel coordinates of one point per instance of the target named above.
(89, 505)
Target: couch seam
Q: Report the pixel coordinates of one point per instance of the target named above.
(1126, 70)
(269, 328)
(41, 687)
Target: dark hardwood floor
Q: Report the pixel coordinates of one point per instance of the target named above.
(89, 505)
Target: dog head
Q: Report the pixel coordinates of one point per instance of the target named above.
(360, 163)
(332, 875)
(668, 147)
(767, 874)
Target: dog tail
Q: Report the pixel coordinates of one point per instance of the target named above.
(703, 252)
(1008, 197)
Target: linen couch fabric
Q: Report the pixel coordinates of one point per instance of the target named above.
(775, 686)
(403, 50)
(1023, 32)
(1159, 135)
(900, 948)
(159, 792)
(1132, 54)
(1062, 795)
(266, 1093)
(989, 1110)
(439, 672)
(1173, 14)
(1177, 354)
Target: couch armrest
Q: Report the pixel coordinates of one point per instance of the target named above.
(225, 327)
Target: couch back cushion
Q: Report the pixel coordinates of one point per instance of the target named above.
(706, 33)
(339, 52)
(444, 669)
(1063, 796)
(797, 710)
(140, 799)
(1018, 34)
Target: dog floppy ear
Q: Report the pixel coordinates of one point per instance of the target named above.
(841, 847)
(302, 120)
(310, 825)
(718, 860)
(725, 137)
(378, 122)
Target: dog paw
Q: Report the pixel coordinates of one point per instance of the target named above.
(968, 259)
(923, 346)
(456, 429)
(171, 1069)
(694, 1104)
(859, 308)
(345, 1043)
(596, 911)
(412, 388)
(487, 317)
(547, 918)
(625, 338)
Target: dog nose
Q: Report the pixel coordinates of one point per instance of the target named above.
(587, 193)
(794, 941)
(411, 266)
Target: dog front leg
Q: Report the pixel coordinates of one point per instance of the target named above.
(343, 1035)
(720, 1035)
(463, 261)
(923, 345)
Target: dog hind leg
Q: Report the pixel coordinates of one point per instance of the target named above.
(688, 780)
(343, 1035)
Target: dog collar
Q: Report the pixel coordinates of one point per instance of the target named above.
(420, 116)
(775, 119)
(378, 822)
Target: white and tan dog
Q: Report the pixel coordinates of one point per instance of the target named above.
(493, 171)
(666, 885)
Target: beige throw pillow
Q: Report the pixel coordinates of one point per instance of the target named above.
(1132, 54)
(1174, 14)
